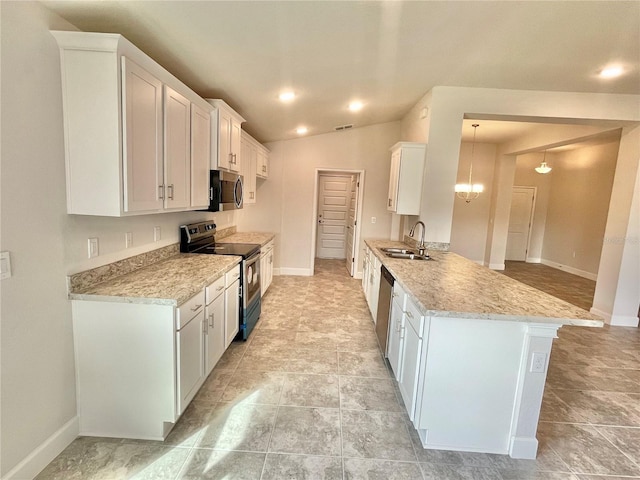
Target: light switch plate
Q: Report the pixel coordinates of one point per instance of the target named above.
(5, 265)
(156, 234)
(128, 239)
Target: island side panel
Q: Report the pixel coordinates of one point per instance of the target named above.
(471, 376)
(533, 374)
(125, 369)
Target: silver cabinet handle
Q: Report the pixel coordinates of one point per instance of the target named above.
(196, 308)
(251, 195)
(219, 288)
(230, 157)
(205, 328)
(409, 314)
(212, 319)
(270, 260)
(211, 193)
(394, 295)
(264, 168)
(170, 187)
(161, 190)
(389, 203)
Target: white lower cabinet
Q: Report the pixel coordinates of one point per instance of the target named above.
(414, 326)
(139, 365)
(371, 281)
(190, 354)
(266, 267)
(395, 342)
(214, 339)
(231, 305)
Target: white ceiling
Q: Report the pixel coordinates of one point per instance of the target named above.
(387, 54)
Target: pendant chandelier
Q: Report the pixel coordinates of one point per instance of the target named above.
(543, 168)
(470, 191)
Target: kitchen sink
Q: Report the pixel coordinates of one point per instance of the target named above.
(397, 250)
(408, 256)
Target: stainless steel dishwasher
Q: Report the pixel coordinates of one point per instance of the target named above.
(384, 308)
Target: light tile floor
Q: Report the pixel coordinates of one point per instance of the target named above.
(309, 396)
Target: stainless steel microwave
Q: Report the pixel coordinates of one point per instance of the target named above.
(225, 191)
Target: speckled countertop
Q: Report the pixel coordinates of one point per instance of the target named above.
(169, 282)
(453, 286)
(258, 238)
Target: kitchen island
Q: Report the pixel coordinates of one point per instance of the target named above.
(470, 349)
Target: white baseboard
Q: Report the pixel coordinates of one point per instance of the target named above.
(33, 463)
(496, 266)
(300, 272)
(567, 268)
(617, 320)
(533, 260)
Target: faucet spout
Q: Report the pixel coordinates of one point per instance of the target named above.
(421, 247)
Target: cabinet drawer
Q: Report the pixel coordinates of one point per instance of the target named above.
(414, 317)
(231, 276)
(190, 309)
(214, 290)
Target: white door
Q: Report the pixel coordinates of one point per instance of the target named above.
(350, 252)
(522, 201)
(333, 208)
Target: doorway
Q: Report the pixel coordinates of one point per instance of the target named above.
(520, 222)
(338, 208)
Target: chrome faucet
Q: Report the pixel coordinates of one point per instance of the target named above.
(421, 247)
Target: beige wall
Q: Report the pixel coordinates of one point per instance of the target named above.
(578, 206)
(471, 220)
(285, 202)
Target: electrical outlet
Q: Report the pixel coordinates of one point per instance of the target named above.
(5, 265)
(574, 254)
(92, 245)
(156, 234)
(128, 239)
(538, 362)
(374, 219)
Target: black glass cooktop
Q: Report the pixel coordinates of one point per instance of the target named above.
(241, 249)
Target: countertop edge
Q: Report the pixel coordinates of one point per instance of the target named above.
(469, 315)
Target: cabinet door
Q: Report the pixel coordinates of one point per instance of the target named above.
(410, 366)
(231, 312)
(190, 340)
(224, 139)
(394, 177)
(177, 144)
(200, 156)
(142, 137)
(215, 339)
(235, 162)
(270, 268)
(262, 169)
(248, 155)
(395, 340)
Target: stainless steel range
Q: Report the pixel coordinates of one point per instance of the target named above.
(200, 238)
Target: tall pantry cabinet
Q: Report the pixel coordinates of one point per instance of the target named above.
(130, 145)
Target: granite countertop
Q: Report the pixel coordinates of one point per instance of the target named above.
(169, 282)
(452, 286)
(259, 238)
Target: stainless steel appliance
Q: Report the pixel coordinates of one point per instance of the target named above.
(384, 308)
(225, 191)
(200, 238)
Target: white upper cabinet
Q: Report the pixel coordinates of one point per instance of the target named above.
(128, 129)
(200, 156)
(142, 128)
(177, 151)
(226, 127)
(405, 178)
(248, 150)
(262, 164)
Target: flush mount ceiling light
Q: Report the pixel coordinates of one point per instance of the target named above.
(612, 71)
(544, 168)
(355, 106)
(301, 130)
(470, 191)
(287, 96)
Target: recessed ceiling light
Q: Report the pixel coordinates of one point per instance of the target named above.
(287, 96)
(355, 106)
(301, 130)
(612, 71)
